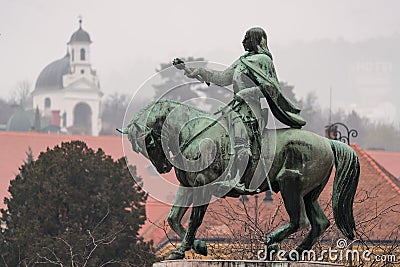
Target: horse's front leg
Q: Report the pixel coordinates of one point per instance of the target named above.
(183, 199)
(178, 210)
(196, 218)
(174, 220)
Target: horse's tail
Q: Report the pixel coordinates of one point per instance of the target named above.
(344, 187)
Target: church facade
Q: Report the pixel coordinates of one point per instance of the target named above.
(67, 91)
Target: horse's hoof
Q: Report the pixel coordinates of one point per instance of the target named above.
(176, 255)
(200, 247)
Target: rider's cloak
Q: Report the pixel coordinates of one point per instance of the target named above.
(260, 66)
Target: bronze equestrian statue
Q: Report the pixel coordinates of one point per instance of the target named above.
(212, 159)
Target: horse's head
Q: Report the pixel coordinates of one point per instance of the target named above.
(155, 152)
(148, 131)
(147, 140)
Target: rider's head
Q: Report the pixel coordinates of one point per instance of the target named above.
(255, 40)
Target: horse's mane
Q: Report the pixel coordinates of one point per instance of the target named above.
(150, 105)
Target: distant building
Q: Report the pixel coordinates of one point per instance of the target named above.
(67, 91)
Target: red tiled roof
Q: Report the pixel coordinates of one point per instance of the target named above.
(389, 160)
(377, 199)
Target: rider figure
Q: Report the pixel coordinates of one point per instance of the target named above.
(253, 77)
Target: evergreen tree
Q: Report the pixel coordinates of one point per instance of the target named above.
(74, 206)
(289, 92)
(312, 113)
(113, 111)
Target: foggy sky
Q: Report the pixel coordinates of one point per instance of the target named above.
(316, 45)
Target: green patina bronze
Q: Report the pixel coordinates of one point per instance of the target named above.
(226, 154)
(302, 164)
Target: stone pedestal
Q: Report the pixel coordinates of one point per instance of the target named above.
(241, 263)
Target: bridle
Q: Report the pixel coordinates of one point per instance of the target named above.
(155, 137)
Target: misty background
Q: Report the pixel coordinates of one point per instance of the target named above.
(347, 47)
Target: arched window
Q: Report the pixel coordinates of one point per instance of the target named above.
(73, 54)
(82, 119)
(83, 54)
(47, 103)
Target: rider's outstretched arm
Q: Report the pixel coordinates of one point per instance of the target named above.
(221, 78)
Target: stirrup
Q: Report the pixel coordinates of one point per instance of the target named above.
(242, 189)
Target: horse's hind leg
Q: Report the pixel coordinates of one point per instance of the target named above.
(316, 216)
(319, 223)
(289, 183)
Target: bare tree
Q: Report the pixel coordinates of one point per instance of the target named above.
(21, 95)
(237, 229)
(76, 256)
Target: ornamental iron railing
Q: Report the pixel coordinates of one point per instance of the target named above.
(339, 131)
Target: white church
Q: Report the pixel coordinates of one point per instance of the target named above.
(67, 90)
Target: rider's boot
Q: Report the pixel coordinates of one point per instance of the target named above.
(242, 158)
(236, 181)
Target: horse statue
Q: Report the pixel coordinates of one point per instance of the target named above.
(300, 166)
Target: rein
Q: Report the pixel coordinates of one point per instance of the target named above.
(234, 103)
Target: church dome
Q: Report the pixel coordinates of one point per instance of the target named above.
(80, 36)
(51, 77)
